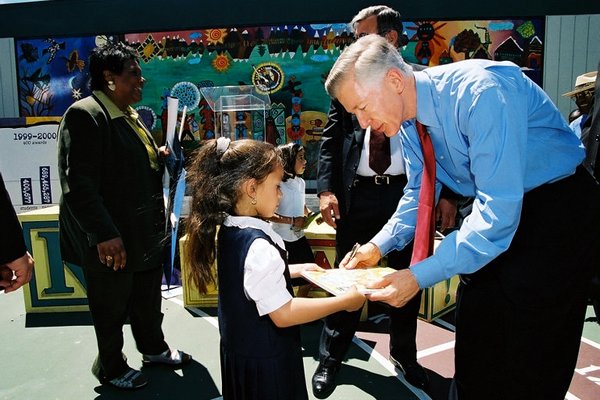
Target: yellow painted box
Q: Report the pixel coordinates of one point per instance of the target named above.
(321, 237)
(435, 301)
(439, 299)
(55, 286)
(191, 295)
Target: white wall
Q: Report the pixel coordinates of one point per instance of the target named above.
(9, 104)
(572, 48)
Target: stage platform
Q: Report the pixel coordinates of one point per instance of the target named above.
(48, 356)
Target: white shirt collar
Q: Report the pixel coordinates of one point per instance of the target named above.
(256, 223)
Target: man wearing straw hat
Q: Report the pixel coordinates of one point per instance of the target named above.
(583, 94)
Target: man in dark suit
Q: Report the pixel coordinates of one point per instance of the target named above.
(358, 201)
(16, 264)
(590, 136)
(590, 129)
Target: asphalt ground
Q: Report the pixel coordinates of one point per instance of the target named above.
(49, 355)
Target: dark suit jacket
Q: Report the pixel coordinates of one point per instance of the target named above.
(12, 244)
(108, 188)
(590, 135)
(339, 154)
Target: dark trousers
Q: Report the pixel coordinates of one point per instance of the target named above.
(113, 298)
(371, 207)
(299, 251)
(519, 319)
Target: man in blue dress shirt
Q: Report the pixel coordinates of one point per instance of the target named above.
(499, 139)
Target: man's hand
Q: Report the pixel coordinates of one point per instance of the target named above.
(112, 253)
(367, 255)
(21, 268)
(330, 211)
(396, 288)
(445, 214)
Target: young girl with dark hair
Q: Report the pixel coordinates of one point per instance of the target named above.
(235, 186)
(290, 217)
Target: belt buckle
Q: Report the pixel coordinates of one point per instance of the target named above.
(381, 179)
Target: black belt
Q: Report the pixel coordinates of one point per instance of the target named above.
(484, 274)
(379, 179)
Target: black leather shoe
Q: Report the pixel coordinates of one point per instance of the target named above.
(413, 372)
(323, 381)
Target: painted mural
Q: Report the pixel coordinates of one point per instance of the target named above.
(287, 63)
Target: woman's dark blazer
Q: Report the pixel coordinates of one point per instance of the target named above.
(108, 188)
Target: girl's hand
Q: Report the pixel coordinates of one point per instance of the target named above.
(354, 299)
(296, 269)
(299, 222)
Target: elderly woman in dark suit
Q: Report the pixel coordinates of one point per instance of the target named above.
(112, 220)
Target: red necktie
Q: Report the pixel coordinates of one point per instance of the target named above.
(379, 152)
(423, 243)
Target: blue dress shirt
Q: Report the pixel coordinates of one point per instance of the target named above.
(496, 135)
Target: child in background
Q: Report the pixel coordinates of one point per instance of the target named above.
(290, 216)
(236, 185)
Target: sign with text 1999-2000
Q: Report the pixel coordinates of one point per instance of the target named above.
(28, 162)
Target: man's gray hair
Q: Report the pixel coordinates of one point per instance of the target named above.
(368, 59)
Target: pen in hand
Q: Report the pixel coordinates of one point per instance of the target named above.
(354, 250)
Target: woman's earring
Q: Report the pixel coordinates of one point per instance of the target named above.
(253, 201)
(111, 86)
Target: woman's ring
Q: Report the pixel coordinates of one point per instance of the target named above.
(109, 258)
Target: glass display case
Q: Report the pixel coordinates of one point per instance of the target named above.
(240, 112)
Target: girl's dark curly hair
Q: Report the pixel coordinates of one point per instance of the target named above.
(289, 152)
(215, 180)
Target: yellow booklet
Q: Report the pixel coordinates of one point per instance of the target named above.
(338, 280)
(311, 217)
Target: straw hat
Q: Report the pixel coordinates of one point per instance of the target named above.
(583, 82)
